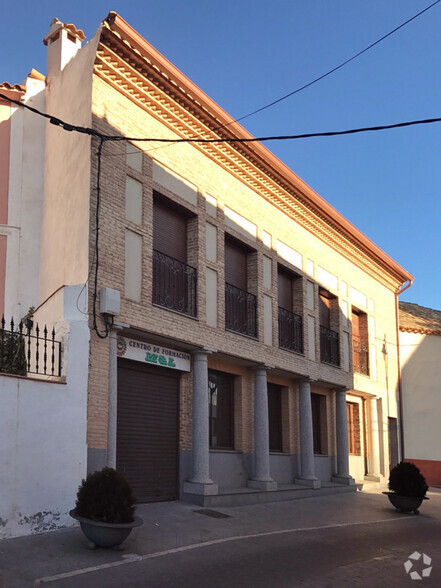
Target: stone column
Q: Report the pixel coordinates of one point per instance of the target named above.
(200, 482)
(261, 478)
(307, 476)
(113, 396)
(341, 423)
(374, 454)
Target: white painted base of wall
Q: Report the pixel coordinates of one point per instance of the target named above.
(43, 439)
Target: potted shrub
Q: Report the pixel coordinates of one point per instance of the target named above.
(408, 487)
(105, 508)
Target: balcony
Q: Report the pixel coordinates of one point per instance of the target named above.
(290, 331)
(240, 311)
(174, 284)
(360, 357)
(329, 346)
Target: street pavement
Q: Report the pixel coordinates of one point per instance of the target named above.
(354, 539)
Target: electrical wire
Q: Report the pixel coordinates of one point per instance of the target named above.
(103, 138)
(89, 131)
(334, 69)
(97, 213)
(319, 78)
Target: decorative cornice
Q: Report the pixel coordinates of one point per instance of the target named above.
(130, 65)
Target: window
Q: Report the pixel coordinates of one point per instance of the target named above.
(329, 324)
(360, 342)
(174, 282)
(221, 407)
(240, 305)
(290, 298)
(275, 417)
(354, 437)
(319, 423)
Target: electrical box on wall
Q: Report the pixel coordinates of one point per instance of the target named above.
(110, 301)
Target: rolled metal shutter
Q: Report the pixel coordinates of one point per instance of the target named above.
(147, 430)
(169, 232)
(235, 266)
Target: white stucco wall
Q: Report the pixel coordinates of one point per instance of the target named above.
(65, 224)
(25, 202)
(421, 395)
(43, 434)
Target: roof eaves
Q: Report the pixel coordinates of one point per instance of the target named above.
(117, 24)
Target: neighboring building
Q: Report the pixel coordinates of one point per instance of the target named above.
(246, 353)
(420, 359)
(21, 194)
(43, 381)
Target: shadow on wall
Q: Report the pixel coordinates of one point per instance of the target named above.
(421, 375)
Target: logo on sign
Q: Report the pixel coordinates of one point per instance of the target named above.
(121, 347)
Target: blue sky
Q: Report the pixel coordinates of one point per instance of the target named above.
(246, 53)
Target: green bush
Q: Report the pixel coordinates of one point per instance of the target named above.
(105, 496)
(406, 480)
(12, 354)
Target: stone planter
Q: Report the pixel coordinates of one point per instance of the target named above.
(405, 503)
(105, 534)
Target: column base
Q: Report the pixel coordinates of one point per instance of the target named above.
(373, 477)
(200, 489)
(314, 483)
(344, 479)
(268, 485)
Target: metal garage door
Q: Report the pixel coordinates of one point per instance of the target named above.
(147, 430)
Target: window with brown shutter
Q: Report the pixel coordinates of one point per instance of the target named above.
(360, 342)
(354, 433)
(240, 305)
(290, 323)
(275, 417)
(221, 410)
(284, 283)
(174, 281)
(236, 265)
(325, 309)
(169, 232)
(319, 425)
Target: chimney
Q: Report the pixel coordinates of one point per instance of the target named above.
(63, 42)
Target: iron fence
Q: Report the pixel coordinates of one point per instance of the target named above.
(360, 357)
(329, 346)
(25, 349)
(290, 331)
(174, 284)
(240, 311)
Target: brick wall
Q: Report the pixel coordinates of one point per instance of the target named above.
(113, 114)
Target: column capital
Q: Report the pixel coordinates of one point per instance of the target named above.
(203, 351)
(115, 328)
(341, 391)
(305, 380)
(262, 366)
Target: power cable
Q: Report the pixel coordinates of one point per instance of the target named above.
(89, 131)
(334, 69)
(319, 78)
(103, 138)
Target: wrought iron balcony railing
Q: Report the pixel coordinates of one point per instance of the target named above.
(174, 284)
(27, 350)
(329, 346)
(240, 311)
(360, 357)
(290, 331)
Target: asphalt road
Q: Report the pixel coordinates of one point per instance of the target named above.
(352, 554)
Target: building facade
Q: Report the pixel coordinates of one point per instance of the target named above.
(243, 334)
(420, 350)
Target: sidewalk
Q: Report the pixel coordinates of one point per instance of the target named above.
(172, 525)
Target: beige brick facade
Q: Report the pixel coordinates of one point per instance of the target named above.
(245, 213)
